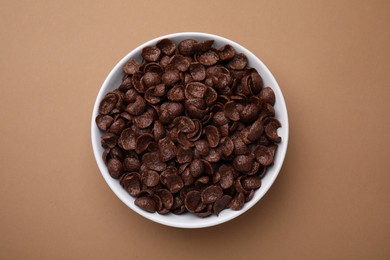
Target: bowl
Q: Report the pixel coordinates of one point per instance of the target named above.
(114, 79)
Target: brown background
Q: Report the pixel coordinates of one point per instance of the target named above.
(331, 199)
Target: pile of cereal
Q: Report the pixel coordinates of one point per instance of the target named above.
(191, 128)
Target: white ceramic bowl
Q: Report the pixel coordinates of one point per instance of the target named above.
(114, 79)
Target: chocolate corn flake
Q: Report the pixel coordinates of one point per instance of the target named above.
(190, 128)
(264, 155)
(152, 161)
(207, 211)
(243, 163)
(238, 62)
(151, 53)
(208, 58)
(267, 95)
(137, 107)
(115, 168)
(212, 135)
(143, 141)
(201, 182)
(221, 203)
(108, 103)
(150, 178)
(174, 183)
(226, 52)
(232, 110)
(184, 124)
(166, 46)
(203, 46)
(237, 202)
(104, 122)
(144, 120)
(251, 182)
(146, 203)
(180, 62)
(131, 67)
(192, 200)
(183, 140)
(170, 77)
(131, 164)
(196, 168)
(271, 126)
(184, 155)
(153, 67)
(187, 178)
(176, 93)
(167, 149)
(131, 183)
(198, 71)
(227, 177)
(186, 47)
(211, 194)
(109, 140)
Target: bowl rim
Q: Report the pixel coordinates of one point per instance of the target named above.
(160, 218)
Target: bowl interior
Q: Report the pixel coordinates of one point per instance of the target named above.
(114, 79)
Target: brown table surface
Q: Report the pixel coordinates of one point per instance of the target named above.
(331, 199)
